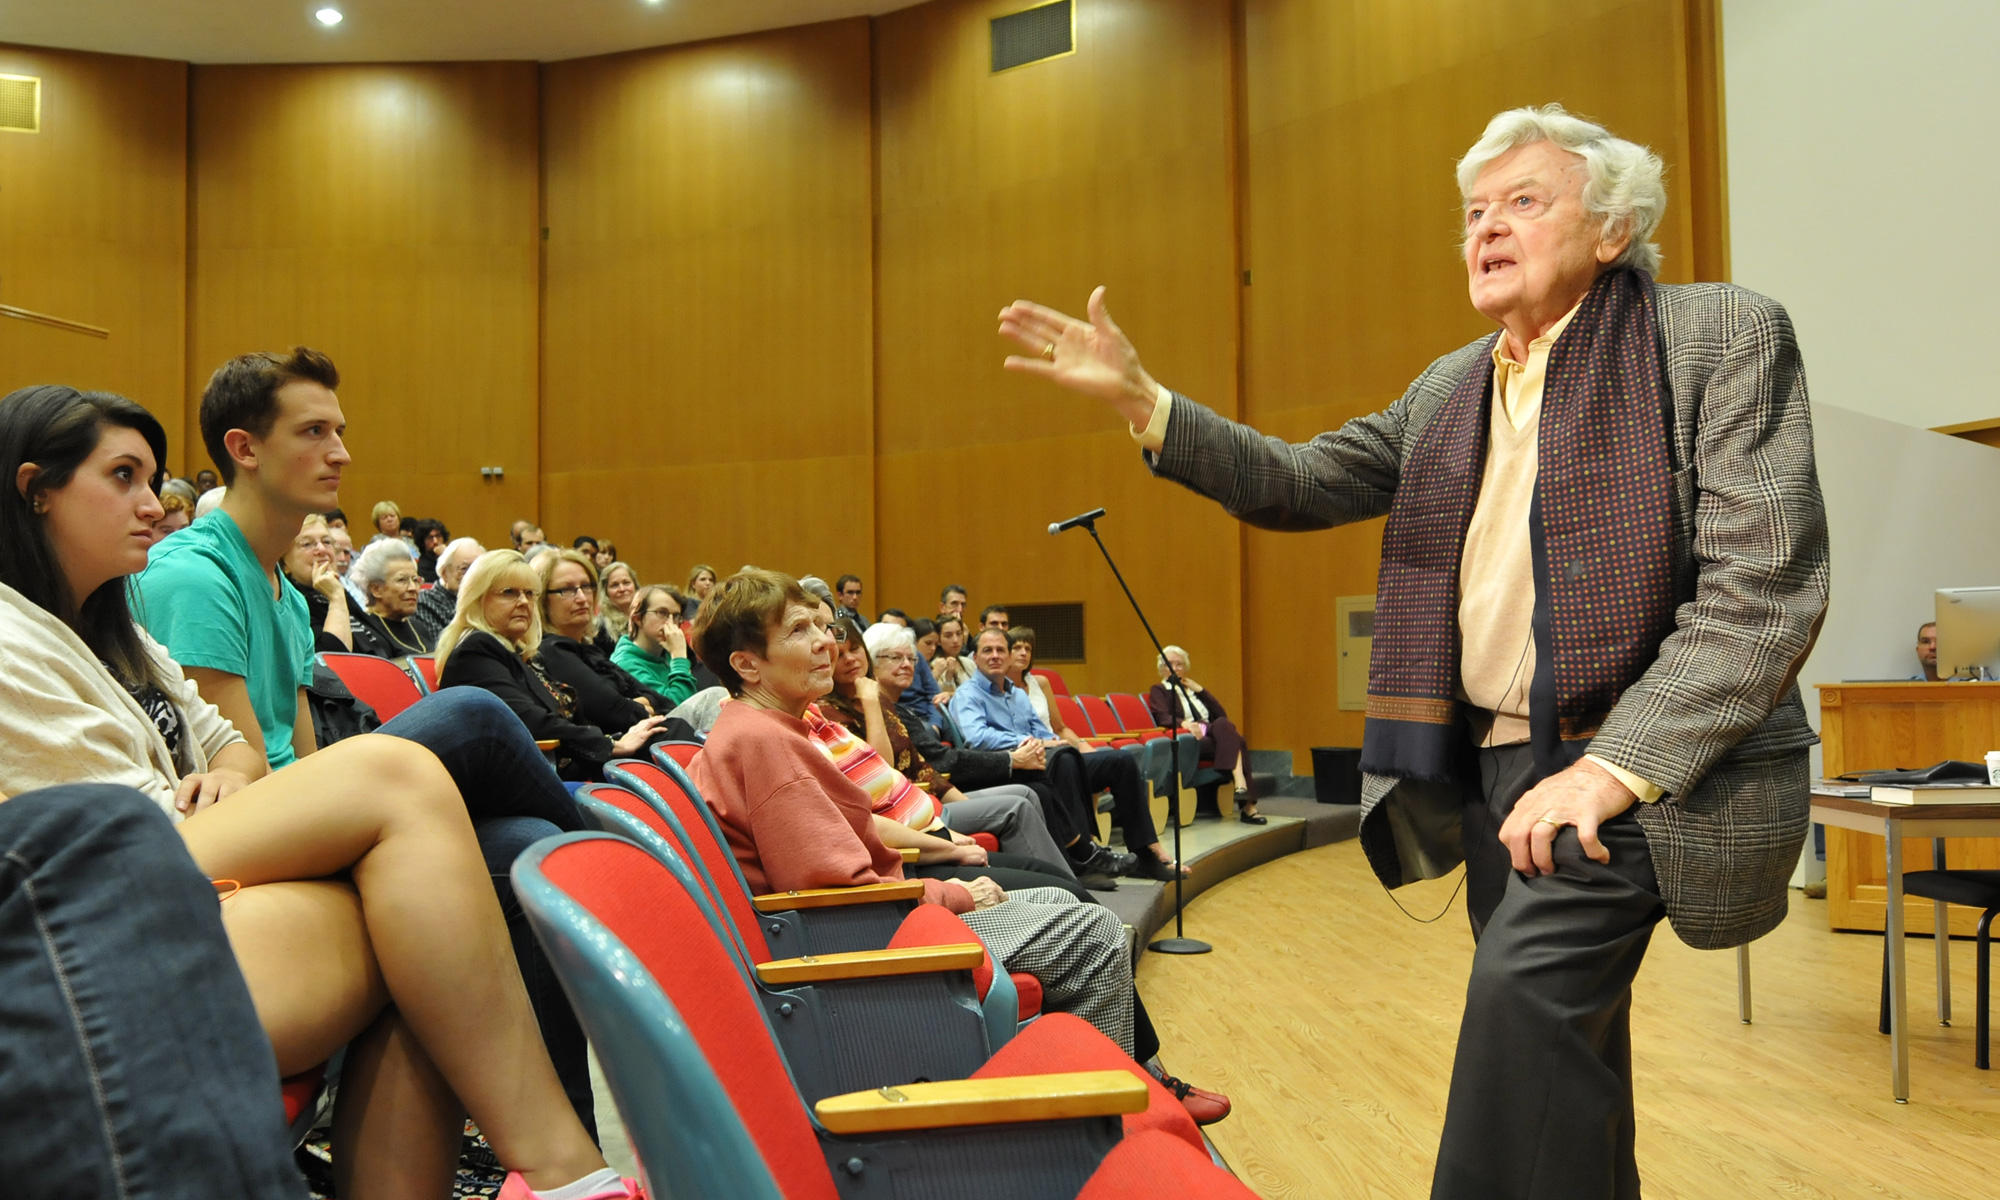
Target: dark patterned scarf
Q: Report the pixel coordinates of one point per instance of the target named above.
(1600, 524)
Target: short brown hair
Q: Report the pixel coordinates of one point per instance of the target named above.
(739, 615)
(545, 568)
(243, 394)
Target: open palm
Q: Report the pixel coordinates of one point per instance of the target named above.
(1093, 357)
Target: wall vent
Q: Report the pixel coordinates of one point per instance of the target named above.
(20, 104)
(1031, 35)
(1058, 630)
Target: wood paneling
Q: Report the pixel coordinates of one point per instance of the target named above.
(1356, 112)
(707, 392)
(93, 216)
(1111, 166)
(1886, 726)
(386, 215)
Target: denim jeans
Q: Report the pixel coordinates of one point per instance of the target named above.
(132, 1063)
(516, 800)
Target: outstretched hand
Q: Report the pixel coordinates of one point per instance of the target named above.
(1092, 357)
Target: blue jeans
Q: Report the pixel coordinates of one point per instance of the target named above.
(131, 1059)
(516, 800)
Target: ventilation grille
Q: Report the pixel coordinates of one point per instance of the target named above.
(20, 104)
(1058, 630)
(1034, 34)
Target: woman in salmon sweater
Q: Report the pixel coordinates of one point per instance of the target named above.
(793, 821)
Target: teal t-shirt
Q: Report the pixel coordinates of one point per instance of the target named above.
(206, 598)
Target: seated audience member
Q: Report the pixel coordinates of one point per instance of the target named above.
(894, 616)
(531, 537)
(335, 519)
(701, 581)
(1220, 743)
(1011, 812)
(387, 571)
(921, 695)
(847, 597)
(655, 651)
(793, 821)
(585, 543)
(994, 616)
(343, 548)
(431, 538)
(177, 502)
(607, 554)
(951, 601)
(514, 531)
(607, 695)
(494, 643)
(950, 665)
(621, 584)
(437, 605)
(210, 501)
(308, 567)
(1927, 651)
(204, 479)
(995, 714)
(363, 915)
(387, 519)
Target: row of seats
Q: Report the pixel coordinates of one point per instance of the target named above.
(762, 1046)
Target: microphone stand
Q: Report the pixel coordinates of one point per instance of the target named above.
(1180, 943)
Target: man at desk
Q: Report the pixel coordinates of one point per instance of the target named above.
(1927, 651)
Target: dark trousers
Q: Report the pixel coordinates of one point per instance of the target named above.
(515, 799)
(1541, 1088)
(132, 1062)
(1078, 777)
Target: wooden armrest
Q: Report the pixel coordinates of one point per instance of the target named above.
(1106, 738)
(546, 744)
(867, 893)
(999, 1101)
(909, 854)
(872, 964)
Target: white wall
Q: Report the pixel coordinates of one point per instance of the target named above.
(1909, 511)
(1864, 170)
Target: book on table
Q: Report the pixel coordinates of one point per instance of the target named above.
(1936, 793)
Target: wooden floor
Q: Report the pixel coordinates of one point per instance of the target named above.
(1329, 1017)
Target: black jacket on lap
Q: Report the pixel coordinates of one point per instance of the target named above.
(607, 695)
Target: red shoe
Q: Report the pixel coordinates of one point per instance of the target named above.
(516, 1188)
(1204, 1106)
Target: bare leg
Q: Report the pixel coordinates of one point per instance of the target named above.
(1248, 807)
(385, 810)
(397, 1127)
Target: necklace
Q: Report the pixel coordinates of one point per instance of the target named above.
(391, 631)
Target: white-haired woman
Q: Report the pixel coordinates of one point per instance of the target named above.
(494, 642)
(439, 603)
(1203, 716)
(1626, 468)
(387, 572)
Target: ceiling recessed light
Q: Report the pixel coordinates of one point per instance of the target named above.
(328, 16)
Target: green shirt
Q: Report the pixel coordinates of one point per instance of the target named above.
(206, 598)
(670, 677)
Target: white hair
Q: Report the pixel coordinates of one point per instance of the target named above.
(372, 565)
(209, 502)
(886, 635)
(1626, 187)
(1160, 661)
(453, 547)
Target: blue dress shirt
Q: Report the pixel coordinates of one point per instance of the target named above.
(996, 718)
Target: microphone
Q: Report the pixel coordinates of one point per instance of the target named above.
(1073, 522)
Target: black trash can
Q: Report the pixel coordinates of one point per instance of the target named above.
(1337, 774)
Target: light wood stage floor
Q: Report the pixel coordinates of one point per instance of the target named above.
(1329, 1017)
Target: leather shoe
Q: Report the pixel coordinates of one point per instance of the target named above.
(1096, 881)
(1243, 801)
(1112, 862)
(1251, 818)
(1204, 1106)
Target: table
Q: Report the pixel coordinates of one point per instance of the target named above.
(1894, 822)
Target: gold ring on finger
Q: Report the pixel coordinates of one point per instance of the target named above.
(1049, 351)
(1546, 819)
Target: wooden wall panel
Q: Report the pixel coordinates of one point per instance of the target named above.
(93, 216)
(386, 214)
(707, 392)
(1356, 112)
(1113, 165)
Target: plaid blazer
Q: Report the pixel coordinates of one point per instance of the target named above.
(1717, 720)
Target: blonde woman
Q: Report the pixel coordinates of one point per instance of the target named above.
(387, 519)
(494, 643)
(701, 581)
(607, 696)
(621, 584)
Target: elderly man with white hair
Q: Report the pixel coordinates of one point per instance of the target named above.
(1605, 560)
(437, 605)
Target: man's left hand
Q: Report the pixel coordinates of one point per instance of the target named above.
(1584, 795)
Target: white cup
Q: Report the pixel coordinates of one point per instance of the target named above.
(1993, 767)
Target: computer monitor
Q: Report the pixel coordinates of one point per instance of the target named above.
(1968, 633)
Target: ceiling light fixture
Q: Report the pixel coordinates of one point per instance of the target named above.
(328, 16)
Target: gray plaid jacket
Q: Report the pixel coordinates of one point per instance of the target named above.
(1716, 720)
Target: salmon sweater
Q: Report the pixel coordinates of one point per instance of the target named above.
(793, 821)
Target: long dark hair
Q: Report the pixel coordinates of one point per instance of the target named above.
(57, 428)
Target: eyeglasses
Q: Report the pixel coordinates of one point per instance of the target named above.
(839, 634)
(567, 592)
(895, 656)
(515, 595)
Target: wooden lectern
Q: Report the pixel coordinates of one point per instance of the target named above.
(1883, 726)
